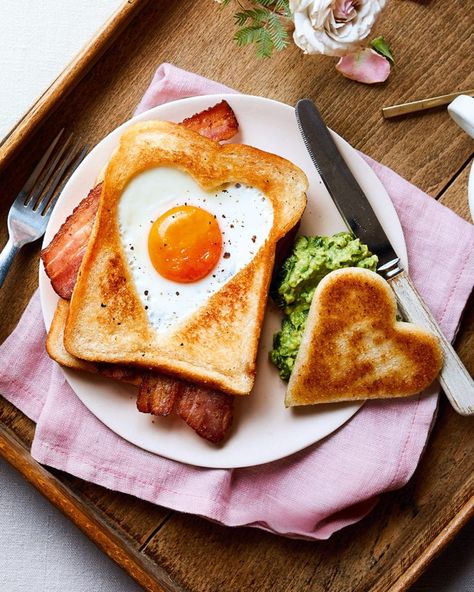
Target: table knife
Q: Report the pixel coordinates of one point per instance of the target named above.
(360, 218)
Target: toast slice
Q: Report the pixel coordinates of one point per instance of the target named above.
(354, 348)
(57, 352)
(216, 345)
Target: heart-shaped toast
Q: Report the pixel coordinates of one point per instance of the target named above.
(126, 310)
(354, 348)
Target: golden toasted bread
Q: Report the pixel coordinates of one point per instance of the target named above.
(354, 348)
(55, 341)
(216, 345)
(56, 350)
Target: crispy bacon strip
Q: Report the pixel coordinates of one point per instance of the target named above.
(158, 394)
(63, 256)
(217, 123)
(117, 372)
(208, 412)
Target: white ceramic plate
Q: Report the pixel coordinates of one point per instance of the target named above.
(263, 429)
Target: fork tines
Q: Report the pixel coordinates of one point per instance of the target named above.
(60, 158)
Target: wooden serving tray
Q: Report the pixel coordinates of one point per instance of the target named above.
(165, 550)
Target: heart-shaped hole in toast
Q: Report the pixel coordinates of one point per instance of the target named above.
(242, 215)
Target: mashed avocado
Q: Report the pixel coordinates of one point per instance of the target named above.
(312, 258)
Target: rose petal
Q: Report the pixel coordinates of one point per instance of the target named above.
(365, 65)
(344, 10)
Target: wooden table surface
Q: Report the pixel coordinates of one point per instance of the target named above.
(432, 44)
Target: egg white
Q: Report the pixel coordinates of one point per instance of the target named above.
(244, 215)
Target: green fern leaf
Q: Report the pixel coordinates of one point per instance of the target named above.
(241, 18)
(264, 44)
(261, 24)
(278, 33)
(247, 35)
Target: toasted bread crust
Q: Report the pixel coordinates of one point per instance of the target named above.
(55, 344)
(217, 345)
(353, 347)
(57, 351)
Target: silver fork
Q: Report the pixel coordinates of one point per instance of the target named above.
(31, 210)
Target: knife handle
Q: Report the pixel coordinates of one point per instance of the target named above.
(454, 378)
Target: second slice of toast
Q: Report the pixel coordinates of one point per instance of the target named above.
(354, 348)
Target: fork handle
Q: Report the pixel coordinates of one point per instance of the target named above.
(6, 259)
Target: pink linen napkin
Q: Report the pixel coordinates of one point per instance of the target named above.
(310, 494)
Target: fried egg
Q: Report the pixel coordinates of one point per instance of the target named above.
(183, 243)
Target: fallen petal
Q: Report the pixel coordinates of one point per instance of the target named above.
(365, 65)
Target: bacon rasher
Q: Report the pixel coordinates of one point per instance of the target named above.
(217, 123)
(158, 394)
(208, 412)
(117, 372)
(63, 256)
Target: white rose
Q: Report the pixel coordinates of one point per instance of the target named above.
(333, 27)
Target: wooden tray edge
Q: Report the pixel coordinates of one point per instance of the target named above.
(143, 570)
(435, 547)
(66, 81)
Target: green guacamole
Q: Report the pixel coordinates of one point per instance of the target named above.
(312, 258)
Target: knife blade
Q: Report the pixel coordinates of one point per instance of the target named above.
(360, 218)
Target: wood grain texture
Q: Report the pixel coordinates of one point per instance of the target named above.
(133, 517)
(390, 547)
(118, 547)
(455, 195)
(452, 570)
(16, 422)
(136, 518)
(425, 148)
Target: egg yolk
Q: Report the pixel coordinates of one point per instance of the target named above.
(185, 244)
